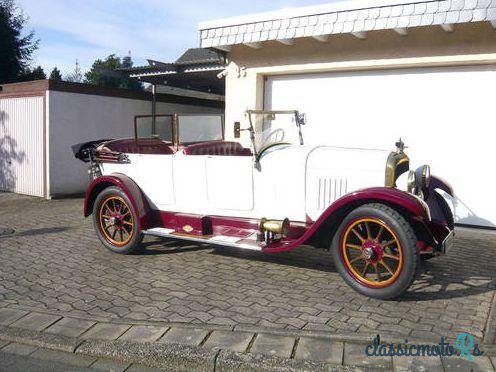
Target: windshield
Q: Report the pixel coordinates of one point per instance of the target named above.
(198, 128)
(180, 128)
(145, 127)
(274, 127)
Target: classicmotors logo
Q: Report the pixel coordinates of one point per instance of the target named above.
(465, 346)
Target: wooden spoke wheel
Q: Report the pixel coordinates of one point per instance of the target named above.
(375, 251)
(116, 221)
(372, 252)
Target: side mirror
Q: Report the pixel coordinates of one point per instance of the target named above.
(237, 129)
(301, 119)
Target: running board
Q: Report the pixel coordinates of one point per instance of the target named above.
(227, 241)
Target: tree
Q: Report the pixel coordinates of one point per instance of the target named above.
(55, 74)
(76, 76)
(35, 74)
(106, 73)
(15, 50)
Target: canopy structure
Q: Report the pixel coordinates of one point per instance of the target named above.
(194, 74)
(195, 70)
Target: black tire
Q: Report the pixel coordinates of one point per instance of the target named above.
(404, 273)
(131, 237)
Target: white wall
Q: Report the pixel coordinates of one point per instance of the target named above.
(21, 145)
(76, 118)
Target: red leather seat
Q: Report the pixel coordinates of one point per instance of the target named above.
(222, 148)
(142, 146)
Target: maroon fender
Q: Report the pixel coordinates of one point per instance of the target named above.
(393, 197)
(438, 183)
(127, 185)
(387, 195)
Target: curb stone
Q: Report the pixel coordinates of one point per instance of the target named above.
(490, 330)
(228, 361)
(40, 339)
(172, 357)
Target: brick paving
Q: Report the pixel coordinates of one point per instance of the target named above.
(55, 263)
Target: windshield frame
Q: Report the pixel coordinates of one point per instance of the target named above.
(299, 121)
(175, 127)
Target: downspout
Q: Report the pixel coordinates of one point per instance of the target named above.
(154, 109)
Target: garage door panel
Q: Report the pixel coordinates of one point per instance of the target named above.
(444, 115)
(21, 145)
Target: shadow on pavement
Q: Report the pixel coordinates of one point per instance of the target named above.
(42, 231)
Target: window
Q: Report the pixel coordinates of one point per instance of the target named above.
(198, 128)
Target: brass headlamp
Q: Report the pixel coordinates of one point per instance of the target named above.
(397, 164)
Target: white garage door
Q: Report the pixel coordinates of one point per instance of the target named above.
(446, 116)
(21, 145)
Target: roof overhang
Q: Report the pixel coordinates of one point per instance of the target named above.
(353, 17)
(197, 69)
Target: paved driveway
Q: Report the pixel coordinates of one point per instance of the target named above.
(55, 263)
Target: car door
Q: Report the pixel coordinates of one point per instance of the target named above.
(229, 182)
(155, 178)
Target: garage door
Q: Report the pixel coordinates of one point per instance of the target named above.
(446, 116)
(21, 145)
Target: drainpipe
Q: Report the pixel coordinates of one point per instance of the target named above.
(154, 104)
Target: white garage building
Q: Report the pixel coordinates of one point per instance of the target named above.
(40, 120)
(368, 72)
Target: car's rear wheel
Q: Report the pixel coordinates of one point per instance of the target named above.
(375, 251)
(116, 222)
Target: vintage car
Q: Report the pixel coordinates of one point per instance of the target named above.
(178, 178)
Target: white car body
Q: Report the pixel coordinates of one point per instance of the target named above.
(293, 181)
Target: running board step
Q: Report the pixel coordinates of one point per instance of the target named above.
(228, 241)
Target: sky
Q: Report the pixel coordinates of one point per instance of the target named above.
(155, 29)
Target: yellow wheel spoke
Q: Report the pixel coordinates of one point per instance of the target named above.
(381, 230)
(387, 255)
(127, 223)
(122, 235)
(377, 273)
(386, 266)
(389, 242)
(367, 228)
(365, 269)
(362, 239)
(357, 258)
(354, 246)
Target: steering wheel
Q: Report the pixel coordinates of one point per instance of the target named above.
(272, 137)
(266, 147)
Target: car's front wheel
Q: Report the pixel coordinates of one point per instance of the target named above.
(115, 221)
(375, 251)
